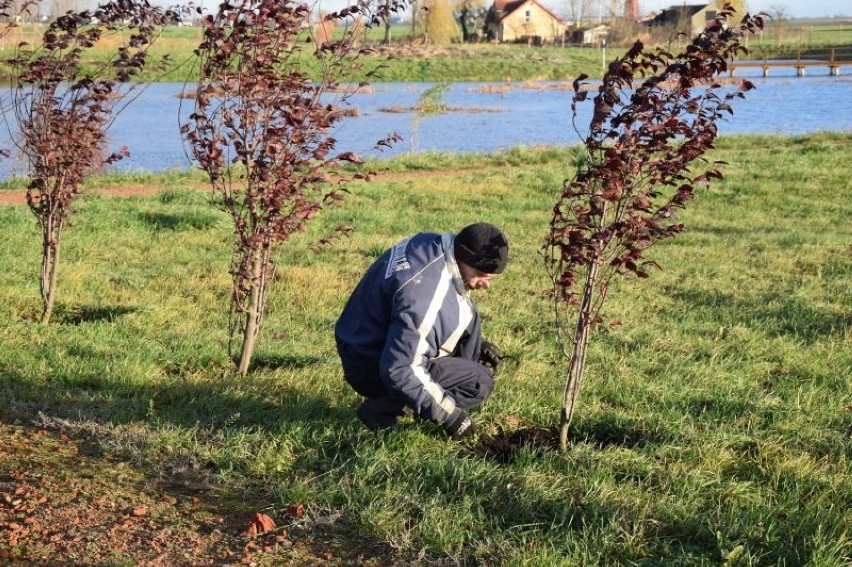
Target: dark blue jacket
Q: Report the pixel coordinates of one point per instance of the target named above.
(410, 308)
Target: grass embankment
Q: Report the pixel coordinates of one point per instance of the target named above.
(482, 62)
(714, 424)
(469, 62)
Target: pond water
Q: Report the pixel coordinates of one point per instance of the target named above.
(488, 116)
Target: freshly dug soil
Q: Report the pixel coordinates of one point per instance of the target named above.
(505, 445)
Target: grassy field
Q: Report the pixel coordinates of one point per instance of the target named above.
(467, 62)
(714, 427)
(480, 62)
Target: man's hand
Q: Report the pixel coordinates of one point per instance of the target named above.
(459, 425)
(489, 356)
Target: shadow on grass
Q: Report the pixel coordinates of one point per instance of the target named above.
(578, 506)
(213, 404)
(505, 445)
(719, 409)
(189, 220)
(169, 512)
(276, 361)
(212, 410)
(778, 314)
(618, 431)
(79, 314)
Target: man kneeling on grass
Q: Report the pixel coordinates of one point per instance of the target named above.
(409, 337)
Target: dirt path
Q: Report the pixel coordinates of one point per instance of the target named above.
(12, 198)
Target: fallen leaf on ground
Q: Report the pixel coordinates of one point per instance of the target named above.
(260, 523)
(296, 510)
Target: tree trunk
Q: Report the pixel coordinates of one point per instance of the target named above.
(261, 274)
(578, 355)
(49, 266)
(252, 315)
(463, 26)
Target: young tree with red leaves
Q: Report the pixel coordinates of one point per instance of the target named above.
(641, 147)
(260, 129)
(63, 110)
(11, 11)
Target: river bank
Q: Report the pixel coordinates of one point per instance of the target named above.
(486, 117)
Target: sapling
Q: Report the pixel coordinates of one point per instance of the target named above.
(63, 106)
(11, 12)
(260, 130)
(14, 11)
(431, 102)
(639, 168)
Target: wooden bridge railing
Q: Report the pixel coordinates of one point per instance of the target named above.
(833, 58)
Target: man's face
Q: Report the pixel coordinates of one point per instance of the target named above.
(474, 279)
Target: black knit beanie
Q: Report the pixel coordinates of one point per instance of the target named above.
(483, 247)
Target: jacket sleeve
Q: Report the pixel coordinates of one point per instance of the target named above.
(412, 343)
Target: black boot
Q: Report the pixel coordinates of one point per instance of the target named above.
(381, 413)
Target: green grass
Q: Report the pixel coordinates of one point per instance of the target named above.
(458, 63)
(828, 32)
(468, 62)
(713, 428)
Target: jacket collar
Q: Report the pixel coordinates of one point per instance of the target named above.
(447, 240)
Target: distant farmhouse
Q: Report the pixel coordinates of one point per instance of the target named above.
(523, 20)
(693, 17)
(529, 21)
(594, 35)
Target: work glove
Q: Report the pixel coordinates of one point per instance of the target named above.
(459, 425)
(489, 356)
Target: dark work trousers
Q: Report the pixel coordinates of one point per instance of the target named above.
(466, 381)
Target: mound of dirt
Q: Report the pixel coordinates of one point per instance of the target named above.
(505, 445)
